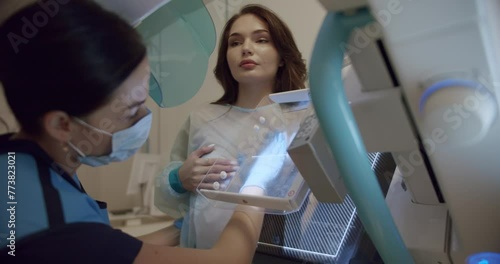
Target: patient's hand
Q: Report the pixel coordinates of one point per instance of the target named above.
(198, 164)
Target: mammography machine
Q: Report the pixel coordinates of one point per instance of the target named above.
(422, 86)
(429, 95)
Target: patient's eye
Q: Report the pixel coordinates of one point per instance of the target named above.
(234, 43)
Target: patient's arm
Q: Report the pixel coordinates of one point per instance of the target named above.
(168, 236)
(237, 243)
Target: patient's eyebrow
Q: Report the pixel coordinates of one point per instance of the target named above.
(258, 31)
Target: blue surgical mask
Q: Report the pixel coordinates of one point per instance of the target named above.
(125, 143)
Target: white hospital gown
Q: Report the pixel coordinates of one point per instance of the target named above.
(235, 132)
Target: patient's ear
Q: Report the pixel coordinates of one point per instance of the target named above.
(57, 124)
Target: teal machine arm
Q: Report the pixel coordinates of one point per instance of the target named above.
(339, 126)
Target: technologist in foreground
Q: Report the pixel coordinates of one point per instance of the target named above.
(77, 88)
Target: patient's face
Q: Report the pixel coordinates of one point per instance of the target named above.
(251, 54)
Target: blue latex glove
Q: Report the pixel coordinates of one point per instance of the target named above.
(268, 162)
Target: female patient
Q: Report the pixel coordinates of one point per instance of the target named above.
(77, 86)
(257, 56)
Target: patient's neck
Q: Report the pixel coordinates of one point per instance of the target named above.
(251, 95)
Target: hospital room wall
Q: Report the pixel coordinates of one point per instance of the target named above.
(109, 183)
(7, 120)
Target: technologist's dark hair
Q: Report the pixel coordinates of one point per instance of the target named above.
(69, 57)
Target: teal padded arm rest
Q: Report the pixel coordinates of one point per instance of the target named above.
(341, 131)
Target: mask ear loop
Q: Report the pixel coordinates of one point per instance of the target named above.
(92, 127)
(89, 126)
(76, 149)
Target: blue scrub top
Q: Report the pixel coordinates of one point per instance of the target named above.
(39, 203)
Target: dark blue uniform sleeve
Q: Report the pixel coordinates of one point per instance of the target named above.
(75, 243)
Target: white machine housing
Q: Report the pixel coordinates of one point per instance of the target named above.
(444, 196)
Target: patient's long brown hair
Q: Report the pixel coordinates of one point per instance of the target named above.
(291, 76)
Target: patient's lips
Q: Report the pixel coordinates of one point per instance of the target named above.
(248, 64)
